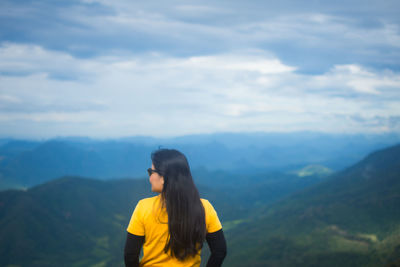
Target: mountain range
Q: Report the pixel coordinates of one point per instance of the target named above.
(27, 163)
(350, 218)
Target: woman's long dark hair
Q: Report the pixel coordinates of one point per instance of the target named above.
(186, 217)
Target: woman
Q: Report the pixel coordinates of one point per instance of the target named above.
(172, 226)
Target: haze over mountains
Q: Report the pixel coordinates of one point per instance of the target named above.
(27, 163)
(272, 216)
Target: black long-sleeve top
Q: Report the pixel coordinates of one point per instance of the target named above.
(216, 242)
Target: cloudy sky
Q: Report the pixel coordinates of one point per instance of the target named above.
(165, 68)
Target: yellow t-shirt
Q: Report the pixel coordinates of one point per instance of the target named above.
(151, 221)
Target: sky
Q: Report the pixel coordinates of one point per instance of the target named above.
(109, 69)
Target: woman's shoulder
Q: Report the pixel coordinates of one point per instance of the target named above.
(203, 200)
(148, 200)
(206, 203)
(212, 221)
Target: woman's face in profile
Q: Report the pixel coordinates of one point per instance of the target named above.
(156, 181)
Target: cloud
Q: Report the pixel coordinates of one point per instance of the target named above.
(311, 36)
(160, 95)
(356, 81)
(113, 68)
(18, 59)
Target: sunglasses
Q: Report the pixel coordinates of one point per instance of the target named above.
(150, 171)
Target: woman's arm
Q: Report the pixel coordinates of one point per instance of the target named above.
(133, 245)
(216, 242)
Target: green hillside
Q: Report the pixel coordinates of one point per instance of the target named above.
(82, 221)
(352, 219)
(67, 222)
(313, 170)
(76, 221)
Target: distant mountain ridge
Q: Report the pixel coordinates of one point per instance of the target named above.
(27, 163)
